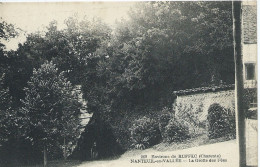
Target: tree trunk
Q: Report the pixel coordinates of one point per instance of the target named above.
(65, 149)
(98, 131)
(44, 156)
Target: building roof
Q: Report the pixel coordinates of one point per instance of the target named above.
(249, 14)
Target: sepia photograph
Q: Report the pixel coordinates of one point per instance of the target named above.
(128, 84)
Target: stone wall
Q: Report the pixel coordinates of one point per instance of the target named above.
(194, 107)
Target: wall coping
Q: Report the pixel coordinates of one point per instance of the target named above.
(204, 90)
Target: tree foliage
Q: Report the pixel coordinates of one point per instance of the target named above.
(164, 46)
(10, 121)
(7, 124)
(51, 107)
(69, 48)
(188, 38)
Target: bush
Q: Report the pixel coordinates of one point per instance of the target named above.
(164, 119)
(231, 131)
(144, 133)
(221, 122)
(249, 96)
(175, 131)
(165, 116)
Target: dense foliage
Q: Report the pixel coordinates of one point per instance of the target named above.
(134, 68)
(70, 48)
(164, 119)
(166, 46)
(175, 131)
(7, 115)
(221, 122)
(51, 109)
(145, 132)
(13, 144)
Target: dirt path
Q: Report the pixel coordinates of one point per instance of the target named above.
(227, 151)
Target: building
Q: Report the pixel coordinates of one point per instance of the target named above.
(249, 52)
(249, 43)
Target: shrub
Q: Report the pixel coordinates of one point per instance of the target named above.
(175, 131)
(221, 122)
(164, 118)
(144, 133)
(249, 96)
(231, 131)
(250, 101)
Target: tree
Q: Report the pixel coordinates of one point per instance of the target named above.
(71, 49)
(11, 127)
(164, 46)
(7, 31)
(182, 37)
(16, 67)
(52, 109)
(68, 48)
(7, 122)
(167, 46)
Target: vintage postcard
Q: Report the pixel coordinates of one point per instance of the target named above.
(128, 83)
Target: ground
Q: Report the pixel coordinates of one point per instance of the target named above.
(227, 150)
(226, 153)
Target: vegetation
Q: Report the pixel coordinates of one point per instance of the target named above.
(7, 125)
(176, 131)
(221, 122)
(164, 118)
(127, 71)
(145, 132)
(159, 43)
(51, 110)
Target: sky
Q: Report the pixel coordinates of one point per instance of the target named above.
(32, 16)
